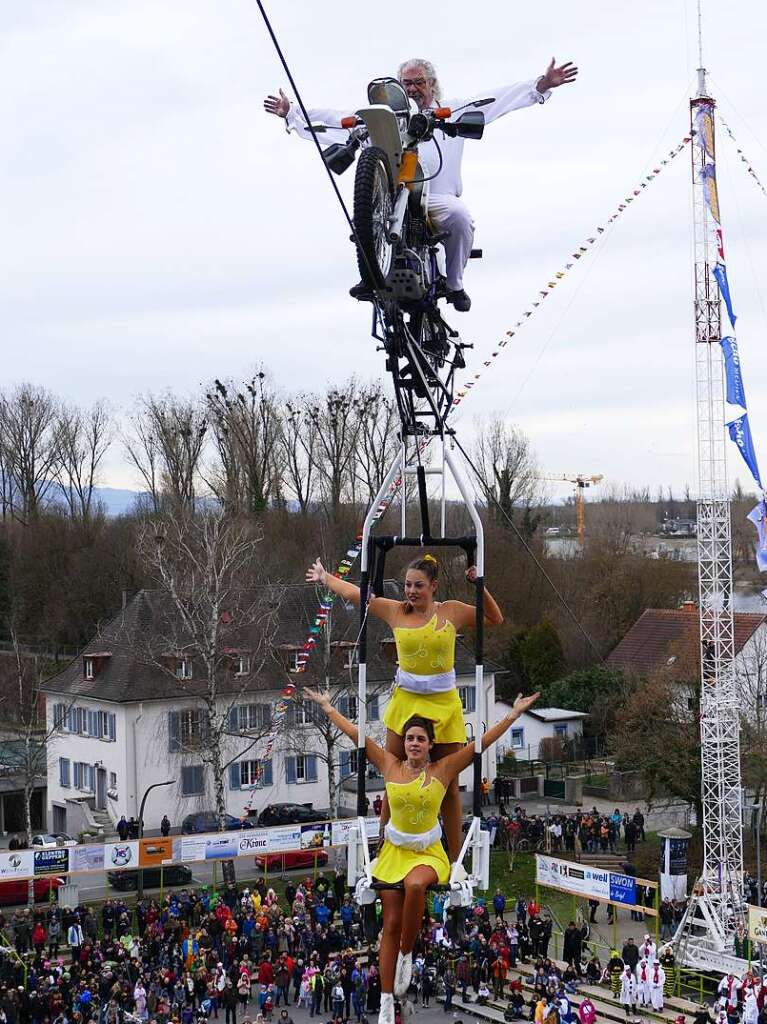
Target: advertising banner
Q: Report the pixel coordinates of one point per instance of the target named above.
(582, 879)
(52, 862)
(316, 835)
(284, 837)
(121, 855)
(623, 889)
(17, 864)
(155, 852)
(757, 924)
(341, 829)
(86, 858)
(252, 842)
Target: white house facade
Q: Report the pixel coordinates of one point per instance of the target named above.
(121, 727)
(525, 736)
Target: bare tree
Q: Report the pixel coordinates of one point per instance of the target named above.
(299, 442)
(246, 426)
(84, 439)
(507, 467)
(30, 447)
(210, 570)
(166, 445)
(376, 439)
(751, 677)
(338, 428)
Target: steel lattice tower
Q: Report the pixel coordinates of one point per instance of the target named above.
(720, 884)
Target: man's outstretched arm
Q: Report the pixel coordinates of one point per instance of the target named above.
(280, 106)
(524, 94)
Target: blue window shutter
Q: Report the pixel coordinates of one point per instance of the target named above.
(373, 710)
(93, 723)
(471, 700)
(64, 772)
(290, 769)
(234, 775)
(266, 773)
(72, 720)
(77, 773)
(112, 726)
(343, 764)
(311, 767)
(174, 732)
(266, 711)
(343, 705)
(234, 718)
(204, 724)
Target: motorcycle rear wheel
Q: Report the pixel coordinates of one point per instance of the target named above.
(373, 205)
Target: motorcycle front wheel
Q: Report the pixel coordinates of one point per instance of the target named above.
(373, 205)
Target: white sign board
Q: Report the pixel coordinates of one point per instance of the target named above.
(757, 924)
(17, 863)
(582, 879)
(121, 855)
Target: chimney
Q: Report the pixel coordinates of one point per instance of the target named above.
(689, 606)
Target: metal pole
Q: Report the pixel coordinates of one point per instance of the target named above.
(147, 791)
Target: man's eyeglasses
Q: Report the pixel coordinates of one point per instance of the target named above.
(413, 81)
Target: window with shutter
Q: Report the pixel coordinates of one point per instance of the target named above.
(290, 769)
(343, 705)
(82, 720)
(88, 668)
(468, 698)
(112, 726)
(64, 772)
(343, 764)
(78, 773)
(373, 710)
(517, 739)
(59, 716)
(174, 732)
(192, 780)
(234, 775)
(93, 723)
(311, 767)
(72, 720)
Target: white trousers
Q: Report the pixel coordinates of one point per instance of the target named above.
(656, 997)
(449, 213)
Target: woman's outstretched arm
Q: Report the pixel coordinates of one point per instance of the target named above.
(381, 607)
(447, 768)
(377, 755)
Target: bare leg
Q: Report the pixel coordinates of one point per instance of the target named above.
(395, 745)
(415, 901)
(393, 902)
(451, 804)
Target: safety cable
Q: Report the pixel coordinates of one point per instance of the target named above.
(532, 554)
(305, 112)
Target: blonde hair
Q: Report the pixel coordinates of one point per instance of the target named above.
(431, 74)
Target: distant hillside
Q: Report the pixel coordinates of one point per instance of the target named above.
(116, 500)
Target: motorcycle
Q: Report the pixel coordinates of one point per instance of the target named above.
(398, 251)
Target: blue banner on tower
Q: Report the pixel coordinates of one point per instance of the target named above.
(736, 392)
(740, 433)
(758, 515)
(720, 273)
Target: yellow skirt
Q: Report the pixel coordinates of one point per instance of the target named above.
(444, 709)
(394, 863)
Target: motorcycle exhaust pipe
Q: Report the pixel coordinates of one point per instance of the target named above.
(398, 216)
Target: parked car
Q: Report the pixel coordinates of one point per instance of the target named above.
(173, 874)
(207, 821)
(292, 814)
(15, 890)
(49, 840)
(291, 859)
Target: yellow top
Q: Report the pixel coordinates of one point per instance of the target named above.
(415, 805)
(426, 650)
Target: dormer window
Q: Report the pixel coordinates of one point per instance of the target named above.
(183, 668)
(88, 668)
(241, 665)
(351, 658)
(293, 664)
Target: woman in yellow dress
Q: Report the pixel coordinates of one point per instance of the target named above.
(424, 632)
(412, 852)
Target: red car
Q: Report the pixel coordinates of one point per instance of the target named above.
(16, 890)
(292, 859)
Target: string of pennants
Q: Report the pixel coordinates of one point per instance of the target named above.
(743, 158)
(738, 428)
(582, 250)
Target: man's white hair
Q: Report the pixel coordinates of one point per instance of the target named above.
(429, 69)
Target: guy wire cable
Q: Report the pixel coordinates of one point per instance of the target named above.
(534, 557)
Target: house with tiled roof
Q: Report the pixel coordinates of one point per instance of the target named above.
(127, 714)
(661, 636)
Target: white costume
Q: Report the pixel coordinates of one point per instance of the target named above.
(750, 1009)
(643, 983)
(628, 989)
(648, 950)
(446, 210)
(729, 989)
(657, 981)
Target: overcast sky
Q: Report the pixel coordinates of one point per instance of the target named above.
(161, 230)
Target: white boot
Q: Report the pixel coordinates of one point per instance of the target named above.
(403, 973)
(386, 1013)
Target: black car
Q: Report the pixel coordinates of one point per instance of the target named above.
(292, 814)
(207, 821)
(173, 874)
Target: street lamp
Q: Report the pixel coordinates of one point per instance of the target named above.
(147, 791)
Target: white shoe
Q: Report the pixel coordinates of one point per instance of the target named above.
(386, 1013)
(403, 973)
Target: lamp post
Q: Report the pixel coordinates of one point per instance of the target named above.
(147, 791)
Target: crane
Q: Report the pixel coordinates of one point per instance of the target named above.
(581, 482)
